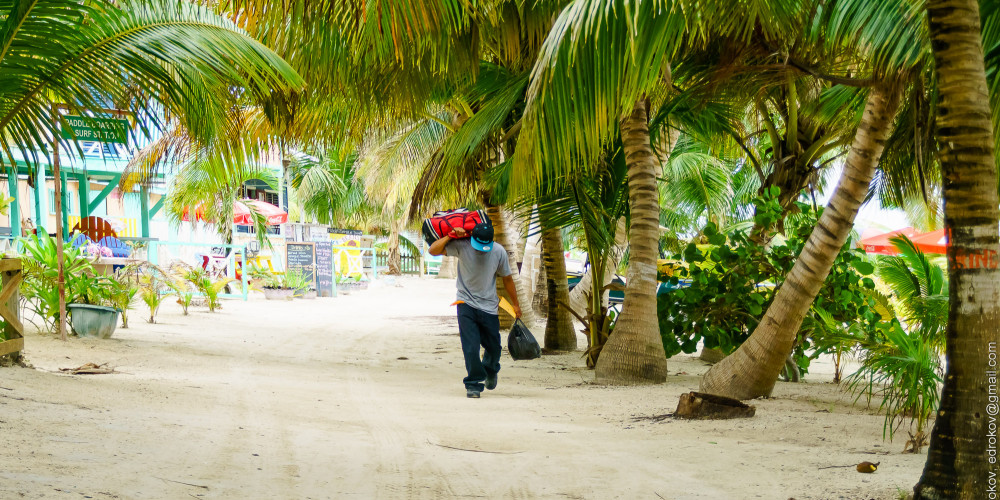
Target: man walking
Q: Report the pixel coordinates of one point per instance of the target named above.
(480, 261)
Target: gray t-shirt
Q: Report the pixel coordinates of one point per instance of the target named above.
(477, 272)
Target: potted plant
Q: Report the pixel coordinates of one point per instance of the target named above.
(92, 313)
(274, 288)
(90, 298)
(295, 280)
(348, 283)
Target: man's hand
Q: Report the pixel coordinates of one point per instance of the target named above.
(459, 232)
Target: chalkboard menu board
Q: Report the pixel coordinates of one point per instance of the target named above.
(302, 257)
(324, 269)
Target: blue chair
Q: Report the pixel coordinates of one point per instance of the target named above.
(80, 240)
(118, 247)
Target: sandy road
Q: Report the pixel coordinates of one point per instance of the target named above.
(361, 397)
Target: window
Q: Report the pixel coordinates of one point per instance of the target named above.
(72, 207)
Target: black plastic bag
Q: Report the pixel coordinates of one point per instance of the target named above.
(521, 344)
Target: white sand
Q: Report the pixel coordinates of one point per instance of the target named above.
(311, 399)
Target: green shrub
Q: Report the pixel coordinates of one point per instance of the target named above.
(720, 293)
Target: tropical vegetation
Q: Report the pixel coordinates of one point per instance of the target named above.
(703, 133)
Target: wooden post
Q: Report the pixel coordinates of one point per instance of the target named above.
(10, 270)
(60, 280)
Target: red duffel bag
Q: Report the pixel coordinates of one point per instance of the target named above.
(443, 222)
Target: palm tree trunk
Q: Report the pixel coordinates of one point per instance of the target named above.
(958, 465)
(540, 301)
(753, 369)
(559, 334)
(531, 264)
(449, 268)
(634, 352)
(395, 259)
(503, 236)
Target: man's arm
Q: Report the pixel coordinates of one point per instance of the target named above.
(437, 248)
(508, 284)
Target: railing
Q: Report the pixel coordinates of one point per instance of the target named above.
(355, 262)
(153, 255)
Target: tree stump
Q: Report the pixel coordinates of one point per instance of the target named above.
(703, 406)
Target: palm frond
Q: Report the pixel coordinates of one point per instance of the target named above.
(143, 56)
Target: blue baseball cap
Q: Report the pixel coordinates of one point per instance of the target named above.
(482, 237)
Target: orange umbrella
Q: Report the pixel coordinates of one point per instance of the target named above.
(932, 242)
(880, 243)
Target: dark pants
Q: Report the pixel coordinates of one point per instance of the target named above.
(478, 328)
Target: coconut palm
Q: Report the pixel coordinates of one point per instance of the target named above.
(131, 55)
(205, 192)
(591, 79)
(326, 187)
(920, 288)
(889, 53)
(595, 202)
(955, 466)
(389, 168)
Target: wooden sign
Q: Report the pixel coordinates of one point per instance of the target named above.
(301, 256)
(324, 269)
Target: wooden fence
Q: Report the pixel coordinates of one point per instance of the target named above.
(409, 264)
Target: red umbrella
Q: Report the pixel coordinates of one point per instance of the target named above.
(932, 242)
(880, 243)
(242, 215)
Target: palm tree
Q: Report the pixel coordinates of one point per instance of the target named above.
(921, 289)
(957, 466)
(326, 186)
(631, 354)
(389, 168)
(891, 52)
(591, 80)
(130, 55)
(752, 370)
(206, 192)
(596, 202)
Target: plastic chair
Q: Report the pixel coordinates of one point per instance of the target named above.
(80, 240)
(118, 247)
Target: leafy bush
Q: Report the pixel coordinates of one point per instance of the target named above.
(722, 288)
(903, 369)
(901, 364)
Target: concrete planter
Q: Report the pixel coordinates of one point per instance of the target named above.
(93, 321)
(278, 293)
